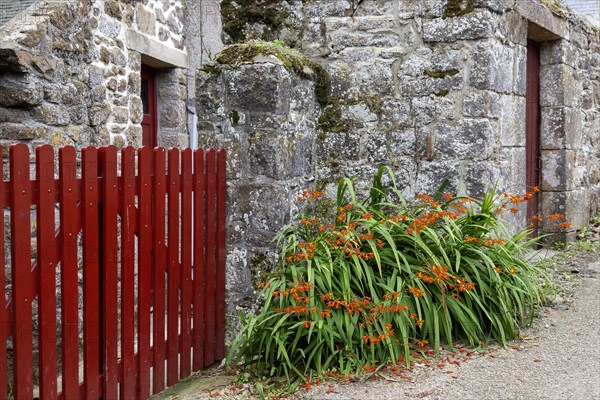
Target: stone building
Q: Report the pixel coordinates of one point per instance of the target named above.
(84, 72)
(477, 91)
(434, 88)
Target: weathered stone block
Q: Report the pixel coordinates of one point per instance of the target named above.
(559, 52)
(480, 176)
(558, 85)
(492, 67)
(323, 9)
(569, 203)
(481, 104)
(478, 25)
(402, 143)
(249, 200)
(469, 139)
(172, 115)
(21, 132)
(98, 114)
(146, 20)
(431, 174)
(259, 87)
(20, 91)
(51, 114)
(558, 171)
(561, 128)
(512, 121)
(13, 115)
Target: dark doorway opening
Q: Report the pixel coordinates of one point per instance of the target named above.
(532, 126)
(148, 95)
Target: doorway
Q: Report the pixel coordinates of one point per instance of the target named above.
(148, 95)
(532, 127)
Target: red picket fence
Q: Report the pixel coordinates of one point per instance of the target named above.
(150, 244)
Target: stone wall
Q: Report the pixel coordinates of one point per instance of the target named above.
(434, 88)
(70, 70)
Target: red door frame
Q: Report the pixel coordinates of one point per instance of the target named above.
(532, 126)
(148, 78)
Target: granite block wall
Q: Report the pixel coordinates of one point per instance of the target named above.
(434, 88)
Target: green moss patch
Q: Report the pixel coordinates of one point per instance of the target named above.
(456, 8)
(237, 14)
(442, 74)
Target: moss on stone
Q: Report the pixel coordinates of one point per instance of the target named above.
(234, 117)
(441, 74)
(456, 8)
(331, 120)
(294, 61)
(556, 7)
(442, 92)
(237, 14)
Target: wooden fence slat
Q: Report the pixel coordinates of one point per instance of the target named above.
(46, 249)
(69, 229)
(173, 269)
(220, 255)
(158, 270)
(91, 276)
(144, 270)
(3, 319)
(186, 262)
(20, 222)
(128, 273)
(198, 318)
(209, 287)
(109, 268)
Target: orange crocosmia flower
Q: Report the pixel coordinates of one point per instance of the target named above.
(387, 296)
(513, 271)
(514, 210)
(565, 225)
(536, 189)
(325, 313)
(554, 217)
(307, 324)
(367, 216)
(497, 269)
(412, 316)
(527, 196)
(420, 322)
(416, 292)
(536, 218)
(448, 196)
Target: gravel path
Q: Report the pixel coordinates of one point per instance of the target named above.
(559, 359)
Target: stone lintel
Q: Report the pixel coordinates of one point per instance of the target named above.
(543, 24)
(155, 53)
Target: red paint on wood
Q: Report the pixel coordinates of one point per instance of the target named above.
(3, 319)
(209, 287)
(173, 269)
(91, 276)
(46, 259)
(532, 119)
(21, 270)
(158, 270)
(220, 255)
(199, 186)
(144, 270)
(109, 268)
(186, 262)
(69, 228)
(127, 273)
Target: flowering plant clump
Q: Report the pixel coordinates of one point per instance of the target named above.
(382, 277)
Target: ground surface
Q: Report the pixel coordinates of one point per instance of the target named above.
(559, 358)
